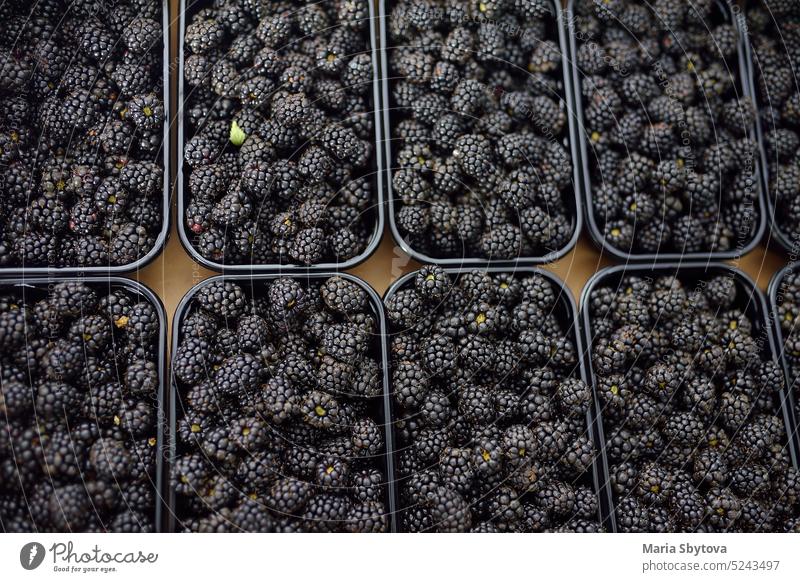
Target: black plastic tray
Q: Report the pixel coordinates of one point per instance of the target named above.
(573, 203)
(163, 235)
(189, 8)
(745, 85)
(568, 314)
(40, 286)
(754, 308)
(776, 232)
(380, 351)
(774, 291)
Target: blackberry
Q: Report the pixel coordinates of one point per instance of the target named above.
(519, 443)
(367, 485)
(189, 472)
(448, 511)
(369, 517)
(252, 333)
(198, 324)
(222, 298)
(103, 402)
(287, 299)
(143, 321)
(110, 459)
(64, 360)
(232, 209)
(146, 111)
(68, 508)
(308, 246)
(192, 361)
(345, 342)
(574, 396)
(15, 399)
(439, 355)
(411, 384)
(327, 512)
(331, 474)
(475, 353)
(141, 377)
(219, 448)
(366, 438)
(288, 496)
(320, 410)
(723, 509)
(213, 243)
(342, 143)
(135, 417)
(129, 243)
(238, 375)
(13, 325)
(557, 499)
(93, 331)
(63, 458)
(346, 244)
(632, 517)
(208, 182)
(404, 308)
(200, 151)
(334, 375)
(473, 153)
(204, 35)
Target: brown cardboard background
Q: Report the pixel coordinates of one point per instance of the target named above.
(174, 272)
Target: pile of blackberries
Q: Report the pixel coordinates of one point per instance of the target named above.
(672, 154)
(691, 407)
(491, 413)
(775, 37)
(280, 400)
(280, 148)
(788, 314)
(481, 163)
(81, 132)
(80, 379)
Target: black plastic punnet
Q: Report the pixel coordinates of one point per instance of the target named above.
(189, 8)
(162, 236)
(39, 287)
(750, 300)
(572, 202)
(379, 352)
(567, 313)
(745, 88)
(775, 293)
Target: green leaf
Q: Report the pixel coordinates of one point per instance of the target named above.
(237, 134)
